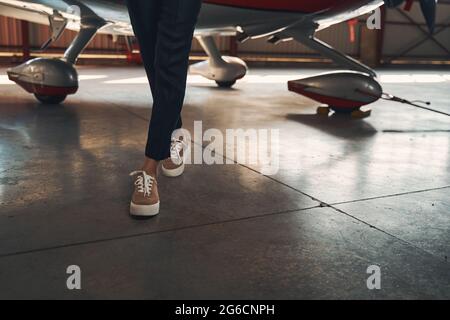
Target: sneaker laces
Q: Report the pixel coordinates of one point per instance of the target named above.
(175, 151)
(144, 182)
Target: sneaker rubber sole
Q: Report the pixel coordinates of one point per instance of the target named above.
(173, 173)
(144, 211)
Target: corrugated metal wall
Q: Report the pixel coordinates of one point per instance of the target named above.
(40, 33)
(223, 43)
(10, 32)
(10, 36)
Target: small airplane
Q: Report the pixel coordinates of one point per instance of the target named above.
(52, 80)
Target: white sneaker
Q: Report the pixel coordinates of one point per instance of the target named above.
(174, 166)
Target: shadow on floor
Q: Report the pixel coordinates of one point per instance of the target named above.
(339, 125)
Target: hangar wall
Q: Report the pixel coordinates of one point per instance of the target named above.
(401, 38)
(10, 37)
(10, 32)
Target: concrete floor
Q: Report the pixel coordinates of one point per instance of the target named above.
(349, 194)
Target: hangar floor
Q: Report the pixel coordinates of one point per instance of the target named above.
(349, 194)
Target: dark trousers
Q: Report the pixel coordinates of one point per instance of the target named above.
(164, 29)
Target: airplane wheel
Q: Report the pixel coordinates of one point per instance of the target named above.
(343, 110)
(50, 99)
(226, 84)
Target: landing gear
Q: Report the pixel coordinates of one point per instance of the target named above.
(50, 99)
(306, 36)
(49, 80)
(343, 92)
(354, 113)
(224, 70)
(52, 80)
(226, 84)
(342, 111)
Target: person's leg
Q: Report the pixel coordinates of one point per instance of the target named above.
(174, 38)
(164, 29)
(144, 15)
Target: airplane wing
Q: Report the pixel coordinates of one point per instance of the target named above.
(114, 13)
(214, 19)
(217, 17)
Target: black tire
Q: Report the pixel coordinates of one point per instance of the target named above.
(226, 84)
(343, 110)
(50, 99)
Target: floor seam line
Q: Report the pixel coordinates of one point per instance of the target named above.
(143, 234)
(441, 259)
(225, 157)
(325, 204)
(124, 109)
(390, 196)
